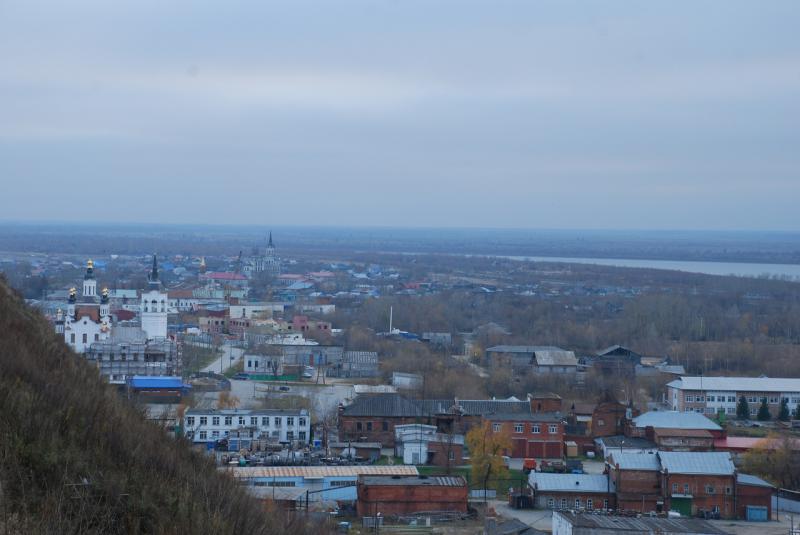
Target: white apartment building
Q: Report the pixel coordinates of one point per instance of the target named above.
(710, 395)
(291, 426)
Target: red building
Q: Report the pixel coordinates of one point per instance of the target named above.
(402, 495)
(538, 435)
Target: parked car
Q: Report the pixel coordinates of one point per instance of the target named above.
(241, 376)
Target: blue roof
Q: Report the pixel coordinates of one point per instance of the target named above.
(144, 381)
(747, 479)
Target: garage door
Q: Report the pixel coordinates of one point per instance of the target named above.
(552, 450)
(681, 505)
(756, 513)
(536, 449)
(518, 448)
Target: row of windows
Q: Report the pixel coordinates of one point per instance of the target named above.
(205, 435)
(732, 399)
(520, 428)
(360, 427)
(563, 504)
(710, 489)
(85, 338)
(242, 420)
(274, 484)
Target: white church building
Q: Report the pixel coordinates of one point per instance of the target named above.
(88, 320)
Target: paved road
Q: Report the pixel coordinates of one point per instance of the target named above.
(230, 356)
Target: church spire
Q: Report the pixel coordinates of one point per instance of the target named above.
(154, 272)
(270, 245)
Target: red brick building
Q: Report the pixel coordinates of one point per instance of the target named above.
(572, 491)
(637, 478)
(402, 495)
(753, 493)
(691, 483)
(373, 418)
(538, 435)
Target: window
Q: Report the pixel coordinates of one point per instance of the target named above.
(605, 504)
(709, 489)
(731, 399)
(84, 338)
(451, 455)
(215, 434)
(341, 483)
(496, 428)
(301, 435)
(72, 338)
(710, 410)
(254, 421)
(711, 398)
(727, 490)
(202, 435)
(752, 399)
(563, 503)
(753, 411)
(589, 504)
(369, 426)
(290, 421)
(518, 428)
(689, 399)
(384, 424)
(534, 428)
(274, 484)
(686, 488)
(551, 503)
(203, 420)
(773, 400)
(577, 503)
(189, 421)
(302, 423)
(358, 426)
(289, 435)
(96, 337)
(552, 429)
(241, 420)
(731, 410)
(674, 488)
(265, 421)
(215, 420)
(601, 422)
(229, 420)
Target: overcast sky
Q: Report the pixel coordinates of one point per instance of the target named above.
(535, 114)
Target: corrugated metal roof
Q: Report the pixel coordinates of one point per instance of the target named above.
(636, 461)
(396, 405)
(415, 481)
(570, 482)
(675, 420)
(690, 462)
(556, 357)
(747, 479)
(738, 384)
(521, 349)
(250, 472)
(624, 524)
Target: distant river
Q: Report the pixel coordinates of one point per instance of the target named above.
(739, 269)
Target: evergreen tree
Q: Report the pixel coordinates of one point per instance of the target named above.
(763, 411)
(784, 415)
(797, 412)
(742, 409)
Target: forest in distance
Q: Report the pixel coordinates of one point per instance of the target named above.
(118, 238)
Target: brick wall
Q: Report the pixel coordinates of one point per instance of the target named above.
(398, 499)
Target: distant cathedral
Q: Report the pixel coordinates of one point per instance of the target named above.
(264, 260)
(87, 320)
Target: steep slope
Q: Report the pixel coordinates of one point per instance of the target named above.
(76, 458)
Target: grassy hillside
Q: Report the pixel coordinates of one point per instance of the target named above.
(75, 458)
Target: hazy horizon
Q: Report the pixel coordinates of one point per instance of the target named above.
(456, 115)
